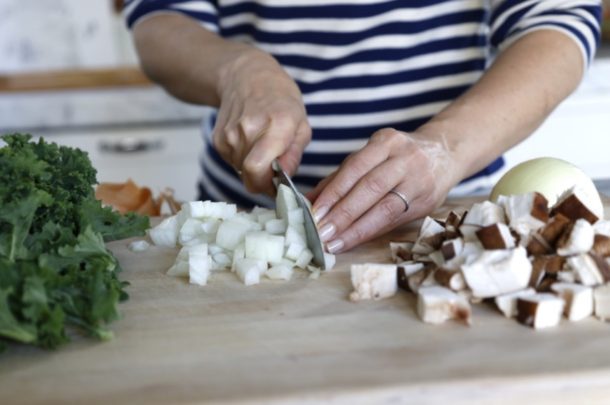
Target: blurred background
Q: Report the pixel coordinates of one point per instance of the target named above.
(68, 72)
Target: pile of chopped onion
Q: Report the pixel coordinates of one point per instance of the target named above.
(214, 236)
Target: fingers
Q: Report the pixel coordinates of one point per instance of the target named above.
(349, 174)
(384, 216)
(366, 193)
(275, 141)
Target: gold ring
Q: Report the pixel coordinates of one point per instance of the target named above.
(402, 197)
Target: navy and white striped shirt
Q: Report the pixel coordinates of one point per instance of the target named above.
(363, 65)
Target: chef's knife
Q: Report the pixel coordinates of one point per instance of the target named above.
(314, 243)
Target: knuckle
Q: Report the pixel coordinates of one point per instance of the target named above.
(359, 234)
(344, 215)
(387, 210)
(375, 185)
(248, 126)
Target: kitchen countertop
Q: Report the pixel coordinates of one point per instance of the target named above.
(303, 341)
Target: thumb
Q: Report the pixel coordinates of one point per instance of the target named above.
(291, 158)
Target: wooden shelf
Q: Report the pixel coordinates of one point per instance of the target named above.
(73, 79)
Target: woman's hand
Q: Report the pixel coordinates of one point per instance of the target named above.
(355, 203)
(261, 117)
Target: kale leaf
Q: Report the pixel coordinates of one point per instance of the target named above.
(55, 271)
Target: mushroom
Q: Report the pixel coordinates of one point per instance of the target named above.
(451, 248)
(575, 204)
(496, 236)
(452, 279)
(578, 300)
(601, 297)
(601, 245)
(480, 215)
(406, 270)
(507, 303)
(401, 251)
(526, 212)
(431, 235)
(589, 269)
(437, 304)
(577, 238)
(539, 311)
(373, 281)
(602, 227)
(422, 278)
(497, 272)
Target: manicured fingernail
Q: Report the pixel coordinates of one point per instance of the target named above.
(319, 213)
(334, 246)
(327, 232)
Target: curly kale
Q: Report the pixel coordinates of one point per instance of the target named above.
(55, 271)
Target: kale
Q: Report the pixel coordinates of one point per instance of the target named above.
(55, 270)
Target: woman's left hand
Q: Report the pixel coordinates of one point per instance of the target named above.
(357, 203)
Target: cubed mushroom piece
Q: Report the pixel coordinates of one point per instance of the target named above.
(507, 303)
(578, 300)
(497, 272)
(453, 221)
(451, 248)
(480, 215)
(452, 279)
(602, 227)
(589, 269)
(601, 245)
(526, 212)
(422, 278)
(540, 310)
(470, 251)
(431, 235)
(576, 239)
(406, 270)
(601, 297)
(496, 236)
(576, 204)
(436, 305)
(401, 251)
(373, 281)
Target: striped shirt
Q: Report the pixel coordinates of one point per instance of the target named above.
(363, 65)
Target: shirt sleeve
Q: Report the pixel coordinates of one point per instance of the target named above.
(204, 11)
(578, 19)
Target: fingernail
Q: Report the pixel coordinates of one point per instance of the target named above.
(319, 213)
(327, 232)
(334, 246)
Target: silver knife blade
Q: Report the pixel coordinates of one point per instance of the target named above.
(314, 243)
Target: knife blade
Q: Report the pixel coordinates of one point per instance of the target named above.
(314, 243)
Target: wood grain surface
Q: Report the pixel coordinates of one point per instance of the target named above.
(302, 341)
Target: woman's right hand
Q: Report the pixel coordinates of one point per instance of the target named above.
(261, 118)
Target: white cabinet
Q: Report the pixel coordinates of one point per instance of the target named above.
(156, 156)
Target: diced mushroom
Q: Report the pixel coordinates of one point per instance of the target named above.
(578, 300)
(406, 270)
(554, 228)
(438, 304)
(453, 221)
(401, 251)
(525, 212)
(537, 245)
(602, 227)
(468, 254)
(601, 245)
(431, 235)
(373, 281)
(577, 238)
(452, 279)
(496, 236)
(422, 278)
(507, 303)
(601, 297)
(575, 204)
(540, 310)
(589, 269)
(451, 248)
(546, 265)
(497, 272)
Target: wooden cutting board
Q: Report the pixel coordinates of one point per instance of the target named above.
(303, 341)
